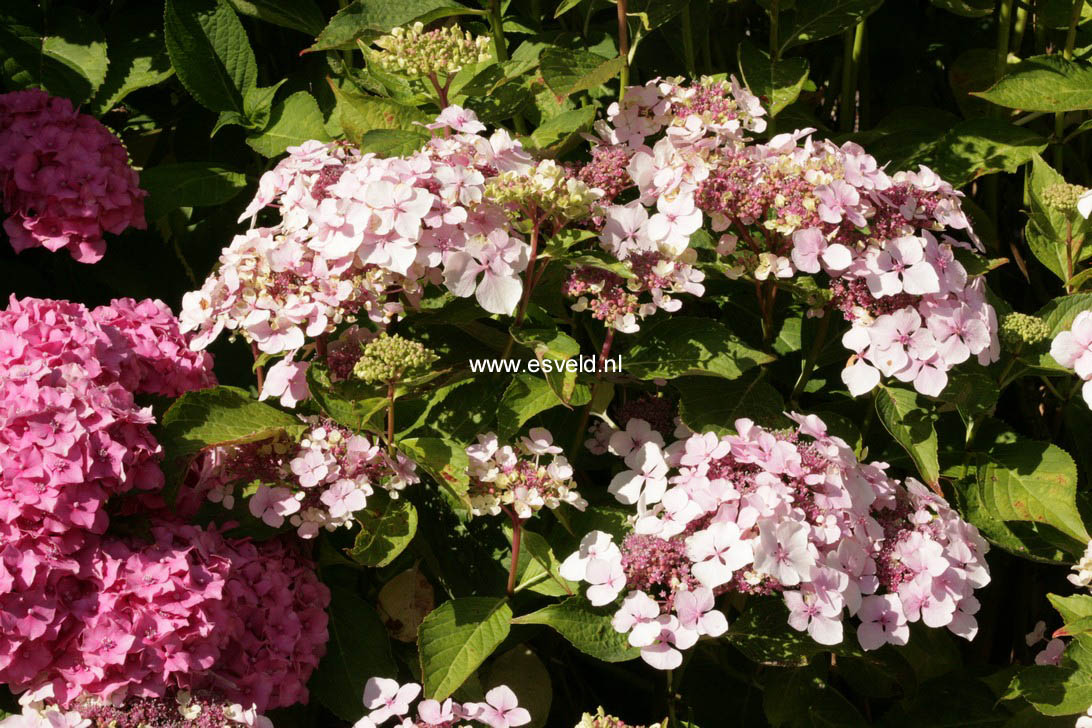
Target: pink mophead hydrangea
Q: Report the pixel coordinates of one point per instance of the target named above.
(191, 610)
(162, 360)
(65, 178)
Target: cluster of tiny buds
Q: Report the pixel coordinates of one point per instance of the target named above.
(1019, 331)
(548, 189)
(1063, 196)
(414, 52)
(392, 358)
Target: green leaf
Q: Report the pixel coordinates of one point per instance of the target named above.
(526, 396)
(763, 635)
(559, 128)
(1073, 607)
(1065, 689)
(908, 417)
(967, 8)
(302, 15)
(1044, 83)
(570, 70)
(257, 106)
(219, 416)
(69, 60)
(979, 147)
(565, 6)
(973, 392)
(292, 121)
(813, 20)
(802, 698)
(778, 83)
(364, 17)
(188, 184)
(587, 628)
(714, 405)
(350, 403)
(138, 58)
(360, 114)
(537, 569)
(385, 531)
(392, 142)
(444, 460)
(210, 52)
(1022, 496)
(681, 345)
(359, 648)
(456, 637)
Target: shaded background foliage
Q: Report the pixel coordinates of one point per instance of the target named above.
(894, 76)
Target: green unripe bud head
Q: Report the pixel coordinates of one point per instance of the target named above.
(1019, 331)
(389, 358)
(1063, 196)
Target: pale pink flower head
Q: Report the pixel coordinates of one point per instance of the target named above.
(501, 709)
(387, 699)
(287, 380)
(882, 622)
(459, 119)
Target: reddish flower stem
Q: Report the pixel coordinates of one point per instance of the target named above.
(517, 533)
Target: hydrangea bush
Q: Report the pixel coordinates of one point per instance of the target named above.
(584, 364)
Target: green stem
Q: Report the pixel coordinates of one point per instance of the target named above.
(390, 417)
(496, 26)
(813, 355)
(1004, 30)
(1019, 26)
(623, 48)
(1067, 54)
(688, 43)
(1068, 256)
(673, 721)
(775, 53)
(854, 41)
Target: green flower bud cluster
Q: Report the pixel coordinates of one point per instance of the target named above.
(414, 52)
(389, 358)
(602, 720)
(1063, 196)
(546, 188)
(1020, 330)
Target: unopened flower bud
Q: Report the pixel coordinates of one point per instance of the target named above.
(1021, 330)
(1063, 196)
(392, 358)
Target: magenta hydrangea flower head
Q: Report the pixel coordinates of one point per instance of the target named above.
(789, 514)
(65, 178)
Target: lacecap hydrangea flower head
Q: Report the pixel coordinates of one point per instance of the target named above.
(519, 479)
(886, 243)
(357, 237)
(318, 483)
(65, 178)
(789, 514)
